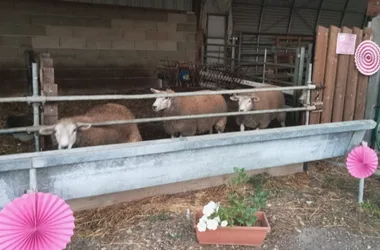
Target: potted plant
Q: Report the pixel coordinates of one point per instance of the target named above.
(241, 222)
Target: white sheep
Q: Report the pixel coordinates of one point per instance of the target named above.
(260, 101)
(77, 130)
(191, 105)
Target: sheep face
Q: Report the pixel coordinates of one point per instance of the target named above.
(161, 103)
(246, 103)
(65, 132)
(302, 98)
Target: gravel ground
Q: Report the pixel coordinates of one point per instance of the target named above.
(305, 212)
(176, 232)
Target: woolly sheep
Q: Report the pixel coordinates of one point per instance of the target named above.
(260, 101)
(77, 130)
(191, 105)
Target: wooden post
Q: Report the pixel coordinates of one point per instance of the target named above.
(331, 66)
(361, 92)
(340, 84)
(49, 115)
(352, 81)
(319, 67)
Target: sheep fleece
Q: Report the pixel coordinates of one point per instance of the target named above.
(194, 105)
(268, 100)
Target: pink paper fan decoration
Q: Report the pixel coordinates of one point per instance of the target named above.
(36, 221)
(362, 162)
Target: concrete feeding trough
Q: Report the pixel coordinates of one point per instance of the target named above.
(92, 171)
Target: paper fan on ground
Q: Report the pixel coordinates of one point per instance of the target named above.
(362, 162)
(36, 221)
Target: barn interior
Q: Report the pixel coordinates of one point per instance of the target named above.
(127, 47)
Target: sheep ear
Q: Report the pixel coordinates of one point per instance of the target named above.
(154, 90)
(255, 99)
(83, 126)
(47, 130)
(234, 97)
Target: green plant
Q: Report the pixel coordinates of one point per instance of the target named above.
(242, 207)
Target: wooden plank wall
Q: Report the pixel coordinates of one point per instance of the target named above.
(345, 88)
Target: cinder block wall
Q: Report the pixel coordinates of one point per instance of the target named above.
(92, 45)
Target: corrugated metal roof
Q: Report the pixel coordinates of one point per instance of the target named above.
(246, 17)
(182, 5)
(330, 18)
(282, 3)
(275, 20)
(353, 20)
(357, 5)
(312, 4)
(298, 24)
(335, 4)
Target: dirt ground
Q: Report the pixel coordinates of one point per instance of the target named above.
(313, 211)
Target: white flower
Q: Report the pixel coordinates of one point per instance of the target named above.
(217, 219)
(217, 207)
(209, 209)
(212, 224)
(201, 226)
(224, 223)
(203, 219)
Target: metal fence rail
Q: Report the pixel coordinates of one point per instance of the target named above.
(31, 129)
(31, 99)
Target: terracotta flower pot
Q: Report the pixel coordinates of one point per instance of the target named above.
(245, 236)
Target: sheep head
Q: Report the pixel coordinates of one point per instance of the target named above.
(65, 132)
(245, 101)
(161, 103)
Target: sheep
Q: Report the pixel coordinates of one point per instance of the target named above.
(76, 130)
(260, 101)
(191, 105)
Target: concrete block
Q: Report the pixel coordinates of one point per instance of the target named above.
(10, 29)
(145, 14)
(59, 31)
(177, 18)
(14, 18)
(145, 25)
(189, 27)
(88, 54)
(45, 42)
(72, 42)
(134, 35)
(98, 22)
(166, 27)
(8, 52)
(122, 23)
(68, 53)
(38, 19)
(98, 43)
(167, 45)
(191, 36)
(191, 18)
(97, 32)
(183, 46)
(17, 41)
(123, 44)
(177, 36)
(154, 35)
(146, 45)
(114, 53)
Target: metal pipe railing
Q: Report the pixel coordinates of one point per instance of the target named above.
(32, 99)
(32, 129)
(36, 122)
